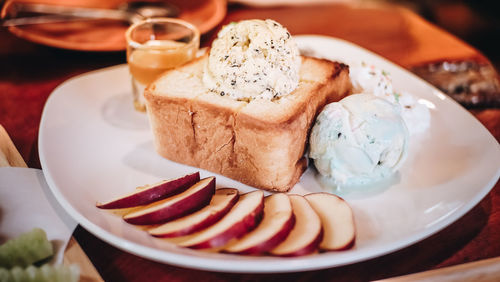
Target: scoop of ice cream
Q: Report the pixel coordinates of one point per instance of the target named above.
(367, 78)
(253, 59)
(416, 115)
(358, 140)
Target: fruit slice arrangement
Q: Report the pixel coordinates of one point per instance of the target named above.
(223, 200)
(192, 213)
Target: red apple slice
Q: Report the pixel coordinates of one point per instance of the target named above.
(339, 231)
(193, 199)
(151, 193)
(242, 218)
(275, 226)
(305, 235)
(223, 200)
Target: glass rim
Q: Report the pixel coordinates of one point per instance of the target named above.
(137, 45)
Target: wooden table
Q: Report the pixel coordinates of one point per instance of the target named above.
(30, 72)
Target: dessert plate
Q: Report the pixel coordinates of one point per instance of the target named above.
(107, 35)
(93, 146)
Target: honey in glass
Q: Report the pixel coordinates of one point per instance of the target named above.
(154, 46)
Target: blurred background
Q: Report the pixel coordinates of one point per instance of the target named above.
(475, 21)
(473, 83)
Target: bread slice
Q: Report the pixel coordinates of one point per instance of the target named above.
(260, 143)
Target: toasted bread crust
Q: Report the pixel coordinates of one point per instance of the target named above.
(259, 143)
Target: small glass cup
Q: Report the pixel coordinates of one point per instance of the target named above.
(154, 46)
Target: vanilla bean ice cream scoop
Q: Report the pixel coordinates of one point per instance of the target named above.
(253, 59)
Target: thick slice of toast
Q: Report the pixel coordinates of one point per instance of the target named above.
(260, 143)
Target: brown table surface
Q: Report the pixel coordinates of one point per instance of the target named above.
(30, 72)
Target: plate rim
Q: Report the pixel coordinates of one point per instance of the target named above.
(305, 263)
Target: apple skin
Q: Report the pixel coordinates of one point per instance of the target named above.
(345, 247)
(336, 206)
(306, 250)
(270, 221)
(271, 242)
(237, 230)
(208, 221)
(306, 220)
(162, 211)
(154, 193)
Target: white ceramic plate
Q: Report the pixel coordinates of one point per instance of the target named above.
(26, 202)
(94, 146)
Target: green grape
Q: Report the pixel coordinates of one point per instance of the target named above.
(49, 273)
(25, 249)
(4, 274)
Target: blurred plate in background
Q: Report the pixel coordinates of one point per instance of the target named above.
(107, 35)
